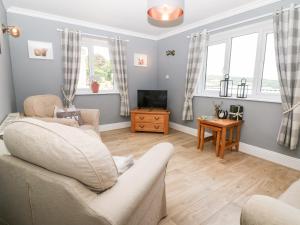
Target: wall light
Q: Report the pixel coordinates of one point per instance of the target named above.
(14, 31)
(165, 10)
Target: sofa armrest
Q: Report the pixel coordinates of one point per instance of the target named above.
(121, 201)
(263, 210)
(63, 121)
(91, 117)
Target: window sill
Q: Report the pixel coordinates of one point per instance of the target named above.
(81, 92)
(270, 100)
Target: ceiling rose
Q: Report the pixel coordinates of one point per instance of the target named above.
(165, 10)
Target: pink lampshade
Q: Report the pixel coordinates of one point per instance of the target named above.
(165, 10)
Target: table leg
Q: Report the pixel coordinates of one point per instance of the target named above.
(223, 143)
(199, 137)
(202, 138)
(214, 136)
(238, 135)
(230, 135)
(218, 143)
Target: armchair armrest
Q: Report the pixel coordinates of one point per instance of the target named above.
(263, 210)
(121, 201)
(63, 121)
(91, 117)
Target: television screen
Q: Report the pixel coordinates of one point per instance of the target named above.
(152, 99)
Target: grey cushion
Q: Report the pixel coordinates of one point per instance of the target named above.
(62, 149)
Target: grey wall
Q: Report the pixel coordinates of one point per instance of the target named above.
(32, 76)
(7, 101)
(262, 120)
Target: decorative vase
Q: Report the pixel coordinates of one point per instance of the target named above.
(95, 86)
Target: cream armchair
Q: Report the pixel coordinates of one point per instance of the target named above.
(51, 174)
(42, 107)
(264, 210)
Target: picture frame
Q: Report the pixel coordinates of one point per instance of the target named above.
(140, 60)
(40, 50)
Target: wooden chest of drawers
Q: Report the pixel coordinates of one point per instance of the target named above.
(150, 120)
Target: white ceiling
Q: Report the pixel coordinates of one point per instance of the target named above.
(131, 14)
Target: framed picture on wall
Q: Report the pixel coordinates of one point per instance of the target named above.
(40, 50)
(140, 60)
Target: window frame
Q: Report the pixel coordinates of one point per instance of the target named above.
(89, 43)
(263, 29)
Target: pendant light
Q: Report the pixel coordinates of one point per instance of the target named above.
(165, 10)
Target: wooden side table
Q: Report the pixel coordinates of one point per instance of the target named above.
(219, 127)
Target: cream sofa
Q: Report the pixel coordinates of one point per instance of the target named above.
(42, 107)
(57, 175)
(263, 210)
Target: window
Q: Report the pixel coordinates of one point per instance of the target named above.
(242, 63)
(246, 52)
(95, 65)
(270, 82)
(215, 66)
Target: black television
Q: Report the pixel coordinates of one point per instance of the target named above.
(152, 98)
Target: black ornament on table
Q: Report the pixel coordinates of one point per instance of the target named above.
(242, 89)
(236, 112)
(222, 114)
(226, 86)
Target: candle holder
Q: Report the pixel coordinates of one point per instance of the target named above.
(226, 87)
(242, 89)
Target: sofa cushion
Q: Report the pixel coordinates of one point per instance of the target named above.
(62, 149)
(292, 195)
(76, 115)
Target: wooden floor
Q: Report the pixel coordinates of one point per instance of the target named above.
(202, 189)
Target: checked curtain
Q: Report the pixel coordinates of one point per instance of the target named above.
(71, 51)
(118, 50)
(287, 48)
(195, 67)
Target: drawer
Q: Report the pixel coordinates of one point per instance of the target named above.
(157, 127)
(149, 118)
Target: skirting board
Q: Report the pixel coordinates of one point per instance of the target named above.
(262, 153)
(114, 126)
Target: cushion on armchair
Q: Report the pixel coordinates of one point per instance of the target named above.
(76, 115)
(64, 150)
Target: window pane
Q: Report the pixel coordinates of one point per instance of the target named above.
(243, 55)
(270, 84)
(84, 81)
(215, 66)
(102, 68)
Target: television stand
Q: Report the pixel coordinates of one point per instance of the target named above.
(150, 120)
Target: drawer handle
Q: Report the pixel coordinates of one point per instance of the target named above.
(156, 126)
(141, 117)
(156, 117)
(141, 126)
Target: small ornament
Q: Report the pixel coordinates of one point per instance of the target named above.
(170, 52)
(242, 89)
(226, 87)
(95, 86)
(222, 114)
(236, 112)
(217, 108)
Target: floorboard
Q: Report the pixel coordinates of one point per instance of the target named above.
(201, 188)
